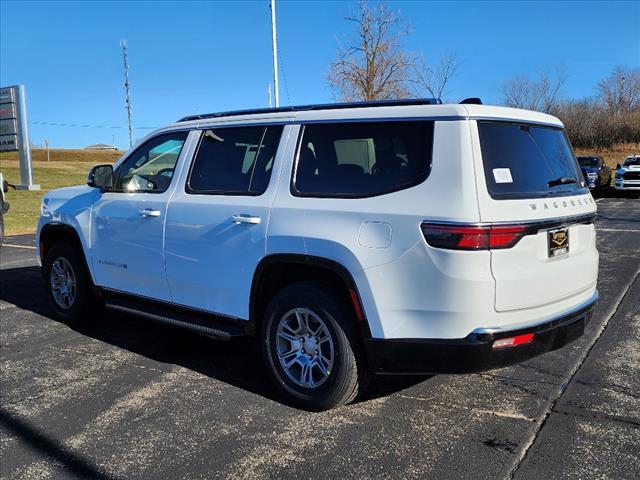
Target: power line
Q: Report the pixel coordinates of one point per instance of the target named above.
(86, 125)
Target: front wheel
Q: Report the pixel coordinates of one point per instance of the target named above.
(68, 284)
(310, 348)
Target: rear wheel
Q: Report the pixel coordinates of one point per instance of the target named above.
(68, 284)
(310, 348)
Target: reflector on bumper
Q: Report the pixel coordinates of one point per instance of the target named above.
(513, 341)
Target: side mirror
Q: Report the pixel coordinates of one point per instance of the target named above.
(618, 167)
(101, 176)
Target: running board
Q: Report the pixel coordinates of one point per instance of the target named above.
(189, 321)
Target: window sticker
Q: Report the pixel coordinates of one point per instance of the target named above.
(502, 175)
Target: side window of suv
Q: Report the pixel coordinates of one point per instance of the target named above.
(150, 168)
(234, 160)
(362, 159)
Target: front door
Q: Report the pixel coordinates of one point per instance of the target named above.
(128, 221)
(218, 218)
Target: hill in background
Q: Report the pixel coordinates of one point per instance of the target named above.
(65, 155)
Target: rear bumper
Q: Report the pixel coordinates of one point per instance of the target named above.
(627, 185)
(474, 353)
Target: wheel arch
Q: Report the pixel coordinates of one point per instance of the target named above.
(276, 271)
(52, 233)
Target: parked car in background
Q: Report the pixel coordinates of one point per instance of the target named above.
(596, 172)
(628, 174)
(4, 205)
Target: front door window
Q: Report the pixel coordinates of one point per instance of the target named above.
(150, 168)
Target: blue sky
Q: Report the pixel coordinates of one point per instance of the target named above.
(197, 57)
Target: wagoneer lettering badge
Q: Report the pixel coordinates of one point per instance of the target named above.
(564, 204)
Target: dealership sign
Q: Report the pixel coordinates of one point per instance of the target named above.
(9, 115)
(14, 132)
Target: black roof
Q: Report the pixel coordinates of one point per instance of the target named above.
(320, 106)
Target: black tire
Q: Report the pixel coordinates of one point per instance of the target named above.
(86, 305)
(348, 374)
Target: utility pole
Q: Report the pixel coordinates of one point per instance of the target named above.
(127, 102)
(275, 52)
(46, 146)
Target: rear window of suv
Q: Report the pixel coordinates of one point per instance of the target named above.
(528, 161)
(356, 160)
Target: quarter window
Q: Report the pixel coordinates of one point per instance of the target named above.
(150, 168)
(362, 159)
(234, 160)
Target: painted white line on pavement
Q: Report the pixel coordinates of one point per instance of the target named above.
(28, 247)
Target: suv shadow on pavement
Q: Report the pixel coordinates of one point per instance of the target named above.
(237, 362)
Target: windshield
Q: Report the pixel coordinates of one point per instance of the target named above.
(588, 161)
(528, 161)
(632, 161)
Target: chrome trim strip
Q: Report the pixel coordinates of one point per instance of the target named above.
(417, 118)
(536, 323)
(570, 220)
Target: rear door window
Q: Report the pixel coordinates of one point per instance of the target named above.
(362, 159)
(234, 160)
(528, 161)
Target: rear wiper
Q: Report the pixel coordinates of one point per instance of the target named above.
(561, 181)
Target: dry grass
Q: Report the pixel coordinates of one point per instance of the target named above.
(62, 155)
(613, 155)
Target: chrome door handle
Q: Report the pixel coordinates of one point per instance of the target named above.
(246, 219)
(147, 212)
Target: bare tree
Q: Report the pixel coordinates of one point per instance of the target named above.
(434, 78)
(373, 65)
(620, 91)
(542, 94)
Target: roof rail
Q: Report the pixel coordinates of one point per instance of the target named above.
(319, 106)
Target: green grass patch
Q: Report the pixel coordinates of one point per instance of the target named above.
(65, 168)
(24, 211)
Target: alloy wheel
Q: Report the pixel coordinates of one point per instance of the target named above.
(63, 283)
(305, 347)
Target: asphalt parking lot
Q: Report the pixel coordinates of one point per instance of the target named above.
(122, 398)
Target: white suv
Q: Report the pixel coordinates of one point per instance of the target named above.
(404, 237)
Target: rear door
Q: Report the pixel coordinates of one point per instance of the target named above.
(528, 176)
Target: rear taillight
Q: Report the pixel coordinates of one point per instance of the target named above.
(472, 237)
